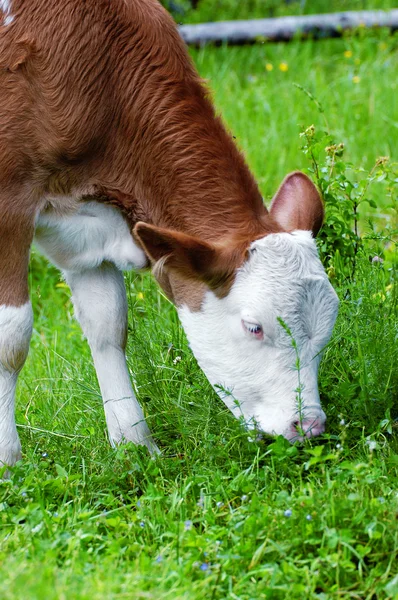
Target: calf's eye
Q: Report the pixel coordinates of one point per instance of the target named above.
(254, 329)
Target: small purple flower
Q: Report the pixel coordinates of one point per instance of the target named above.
(159, 559)
(204, 567)
(142, 524)
(44, 454)
(288, 513)
(138, 503)
(24, 494)
(377, 259)
(188, 525)
(309, 518)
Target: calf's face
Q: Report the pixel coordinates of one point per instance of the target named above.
(260, 343)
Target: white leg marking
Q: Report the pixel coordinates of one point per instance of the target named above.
(83, 240)
(5, 6)
(100, 302)
(15, 333)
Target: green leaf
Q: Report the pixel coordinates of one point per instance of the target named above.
(63, 474)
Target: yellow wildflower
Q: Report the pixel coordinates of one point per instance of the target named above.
(348, 53)
(378, 296)
(283, 67)
(331, 272)
(269, 67)
(140, 296)
(356, 79)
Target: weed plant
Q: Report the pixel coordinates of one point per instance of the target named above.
(221, 514)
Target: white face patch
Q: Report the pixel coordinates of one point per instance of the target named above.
(5, 7)
(242, 342)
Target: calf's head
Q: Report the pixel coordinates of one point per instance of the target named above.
(257, 319)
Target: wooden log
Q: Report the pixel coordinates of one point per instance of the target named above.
(285, 28)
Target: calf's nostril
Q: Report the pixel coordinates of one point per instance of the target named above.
(309, 427)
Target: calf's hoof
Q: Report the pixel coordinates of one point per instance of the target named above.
(9, 455)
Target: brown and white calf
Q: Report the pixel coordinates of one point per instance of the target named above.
(110, 155)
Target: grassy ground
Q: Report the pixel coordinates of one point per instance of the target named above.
(220, 515)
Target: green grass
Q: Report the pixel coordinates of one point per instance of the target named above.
(266, 110)
(221, 10)
(208, 518)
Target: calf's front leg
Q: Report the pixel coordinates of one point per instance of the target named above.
(16, 232)
(15, 333)
(99, 298)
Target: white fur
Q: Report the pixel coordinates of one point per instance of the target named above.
(283, 277)
(5, 6)
(15, 333)
(90, 243)
(92, 234)
(99, 297)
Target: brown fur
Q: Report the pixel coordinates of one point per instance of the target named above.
(15, 239)
(101, 95)
(182, 290)
(185, 266)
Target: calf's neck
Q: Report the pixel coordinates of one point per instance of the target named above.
(112, 157)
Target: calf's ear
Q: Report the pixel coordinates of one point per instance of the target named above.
(297, 204)
(190, 256)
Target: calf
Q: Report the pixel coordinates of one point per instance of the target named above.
(111, 156)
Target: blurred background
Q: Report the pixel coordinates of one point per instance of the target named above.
(196, 11)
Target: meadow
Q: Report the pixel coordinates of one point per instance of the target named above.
(222, 514)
